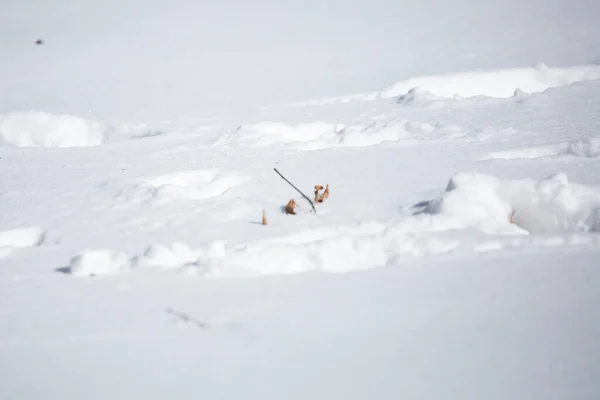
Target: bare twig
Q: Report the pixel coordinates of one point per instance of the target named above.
(298, 190)
(187, 318)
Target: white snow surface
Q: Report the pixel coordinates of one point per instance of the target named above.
(496, 83)
(97, 262)
(41, 129)
(456, 256)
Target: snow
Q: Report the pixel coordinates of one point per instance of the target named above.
(41, 129)
(323, 135)
(455, 257)
(547, 206)
(21, 237)
(98, 262)
(578, 148)
(176, 255)
(496, 83)
(184, 185)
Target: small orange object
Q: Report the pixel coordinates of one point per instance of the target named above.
(264, 217)
(289, 208)
(318, 188)
(322, 197)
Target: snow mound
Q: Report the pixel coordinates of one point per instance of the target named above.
(551, 205)
(322, 135)
(476, 213)
(501, 83)
(578, 148)
(41, 129)
(187, 185)
(176, 255)
(22, 237)
(98, 262)
(19, 239)
(131, 131)
(417, 97)
(359, 97)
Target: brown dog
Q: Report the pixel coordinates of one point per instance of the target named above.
(318, 188)
(289, 207)
(322, 197)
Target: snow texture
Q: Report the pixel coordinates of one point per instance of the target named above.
(41, 129)
(456, 256)
(322, 135)
(98, 262)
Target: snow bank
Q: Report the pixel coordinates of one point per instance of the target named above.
(495, 83)
(22, 237)
(176, 255)
(322, 135)
(577, 148)
(185, 185)
(476, 213)
(42, 129)
(551, 205)
(473, 214)
(98, 262)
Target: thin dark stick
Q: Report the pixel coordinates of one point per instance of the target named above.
(187, 318)
(298, 190)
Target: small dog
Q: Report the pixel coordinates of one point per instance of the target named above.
(319, 198)
(289, 207)
(318, 188)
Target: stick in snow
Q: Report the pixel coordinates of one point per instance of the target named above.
(187, 318)
(298, 190)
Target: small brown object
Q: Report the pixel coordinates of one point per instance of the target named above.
(512, 217)
(289, 208)
(264, 217)
(318, 188)
(325, 194)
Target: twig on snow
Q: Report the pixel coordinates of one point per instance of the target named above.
(298, 190)
(186, 318)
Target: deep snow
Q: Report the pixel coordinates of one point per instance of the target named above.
(456, 257)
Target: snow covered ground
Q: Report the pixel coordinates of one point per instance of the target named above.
(457, 256)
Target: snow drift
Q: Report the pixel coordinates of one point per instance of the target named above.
(513, 214)
(500, 83)
(323, 135)
(22, 237)
(42, 129)
(98, 262)
(577, 148)
(551, 205)
(183, 185)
